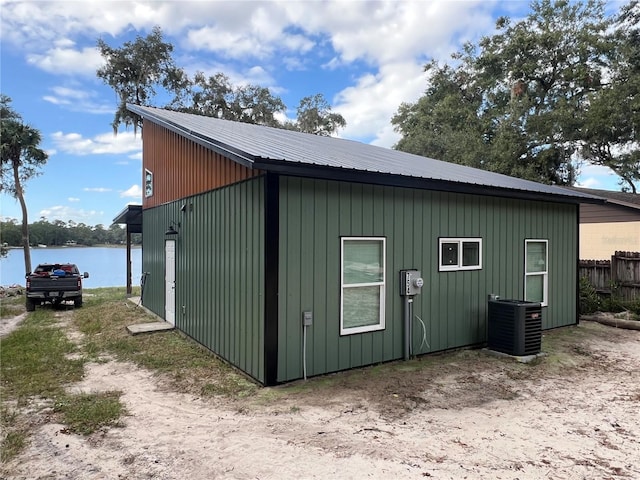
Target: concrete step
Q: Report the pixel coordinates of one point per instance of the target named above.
(149, 327)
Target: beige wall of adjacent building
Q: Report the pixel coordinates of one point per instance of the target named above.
(598, 241)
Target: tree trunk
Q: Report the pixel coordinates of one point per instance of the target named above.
(631, 184)
(25, 221)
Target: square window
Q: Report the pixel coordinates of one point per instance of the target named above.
(470, 254)
(460, 254)
(449, 254)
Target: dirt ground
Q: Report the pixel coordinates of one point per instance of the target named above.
(574, 414)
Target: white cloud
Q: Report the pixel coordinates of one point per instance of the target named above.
(382, 44)
(255, 32)
(597, 176)
(135, 191)
(97, 189)
(590, 182)
(73, 199)
(238, 75)
(106, 143)
(34, 23)
(68, 61)
(65, 213)
(369, 105)
(77, 99)
(390, 31)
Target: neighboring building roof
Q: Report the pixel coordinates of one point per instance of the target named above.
(630, 200)
(295, 153)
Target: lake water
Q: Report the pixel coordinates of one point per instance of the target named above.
(107, 266)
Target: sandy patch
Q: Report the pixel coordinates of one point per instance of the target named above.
(473, 416)
(8, 325)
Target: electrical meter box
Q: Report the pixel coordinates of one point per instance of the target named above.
(410, 283)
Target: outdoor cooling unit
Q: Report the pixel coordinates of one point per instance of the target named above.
(515, 327)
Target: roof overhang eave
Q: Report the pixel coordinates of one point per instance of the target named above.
(381, 178)
(131, 216)
(228, 151)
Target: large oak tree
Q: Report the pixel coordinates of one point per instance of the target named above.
(143, 71)
(537, 98)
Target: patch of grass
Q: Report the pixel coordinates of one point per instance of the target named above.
(34, 359)
(12, 306)
(14, 437)
(89, 412)
(188, 366)
(34, 362)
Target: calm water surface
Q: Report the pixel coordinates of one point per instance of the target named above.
(107, 266)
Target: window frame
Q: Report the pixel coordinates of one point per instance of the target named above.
(148, 183)
(382, 288)
(460, 241)
(544, 274)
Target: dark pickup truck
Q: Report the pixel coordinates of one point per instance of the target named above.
(54, 283)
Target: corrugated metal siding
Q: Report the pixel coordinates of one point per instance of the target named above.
(154, 223)
(181, 167)
(220, 270)
(314, 214)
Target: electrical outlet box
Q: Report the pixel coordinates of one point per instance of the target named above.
(307, 319)
(411, 283)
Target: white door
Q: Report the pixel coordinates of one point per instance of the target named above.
(170, 281)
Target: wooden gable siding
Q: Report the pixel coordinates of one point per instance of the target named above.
(182, 168)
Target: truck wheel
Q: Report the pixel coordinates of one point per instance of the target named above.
(30, 305)
(77, 302)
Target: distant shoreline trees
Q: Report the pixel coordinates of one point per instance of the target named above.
(59, 233)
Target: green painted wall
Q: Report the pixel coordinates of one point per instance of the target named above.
(314, 214)
(219, 270)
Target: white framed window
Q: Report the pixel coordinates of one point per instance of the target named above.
(362, 292)
(148, 183)
(459, 254)
(536, 271)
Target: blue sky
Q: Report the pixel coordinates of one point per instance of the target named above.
(365, 57)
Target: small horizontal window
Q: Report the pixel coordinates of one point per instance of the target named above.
(460, 254)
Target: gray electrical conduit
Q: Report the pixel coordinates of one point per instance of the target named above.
(424, 334)
(304, 351)
(304, 344)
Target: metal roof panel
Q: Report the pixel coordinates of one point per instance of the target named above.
(256, 144)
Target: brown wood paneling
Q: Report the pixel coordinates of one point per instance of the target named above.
(607, 213)
(182, 168)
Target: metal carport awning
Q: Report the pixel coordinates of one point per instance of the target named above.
(131, 216)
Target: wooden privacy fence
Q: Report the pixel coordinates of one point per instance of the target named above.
(621, 274)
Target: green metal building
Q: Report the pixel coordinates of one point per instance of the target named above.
(281, 251)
